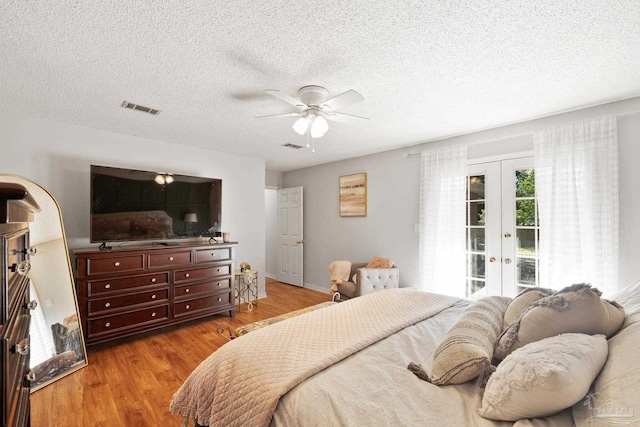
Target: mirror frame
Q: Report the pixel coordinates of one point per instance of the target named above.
(81, 364)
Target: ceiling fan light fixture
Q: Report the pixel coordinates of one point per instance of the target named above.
(300, 126)
(319, 127)
(160, 179)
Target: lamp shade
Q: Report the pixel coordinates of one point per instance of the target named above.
(300, 126)
(190, 217)
(319, 127)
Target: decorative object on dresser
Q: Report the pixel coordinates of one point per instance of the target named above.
(126, 291)
(16, 211)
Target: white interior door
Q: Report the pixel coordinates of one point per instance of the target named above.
(290, 236)
(502, 228)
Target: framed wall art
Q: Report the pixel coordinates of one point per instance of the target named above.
(353, 195)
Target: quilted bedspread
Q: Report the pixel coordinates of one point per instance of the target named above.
(241, 383)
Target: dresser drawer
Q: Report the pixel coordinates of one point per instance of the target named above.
(104, 305)
(111, 324)
(209, 255)
(15, 338)
(200, 288)
(212, 302)
(168, 259)
(201, 273)
(115, 264)
(96, 287)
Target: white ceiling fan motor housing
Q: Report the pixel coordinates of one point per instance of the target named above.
(313, 95)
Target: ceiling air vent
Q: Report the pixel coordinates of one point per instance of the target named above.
(132, 106)
(290, 145)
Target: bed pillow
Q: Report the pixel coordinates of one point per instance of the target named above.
(544, 377)
(615, 394)
(577, 308)
(521, 302)
(466, 350)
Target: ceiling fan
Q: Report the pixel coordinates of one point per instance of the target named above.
(315, 108)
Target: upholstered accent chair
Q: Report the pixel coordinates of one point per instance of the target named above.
(366, 280)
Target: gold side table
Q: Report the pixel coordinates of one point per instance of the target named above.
(247, 288)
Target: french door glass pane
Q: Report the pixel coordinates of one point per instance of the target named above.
(526, 241)
(475, 214)
(476, 279)
(527, 229)
(476, 187)
(475, 242)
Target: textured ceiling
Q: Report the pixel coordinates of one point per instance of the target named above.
(427, 69)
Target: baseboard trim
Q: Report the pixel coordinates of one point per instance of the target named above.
(322, 289)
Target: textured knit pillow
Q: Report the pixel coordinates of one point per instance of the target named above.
(466, 350)
(615, 396)
(521, 302)
(544, 377)
(577, 308)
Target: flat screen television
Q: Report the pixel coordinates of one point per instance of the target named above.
(134, 205)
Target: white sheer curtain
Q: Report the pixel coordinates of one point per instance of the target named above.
(442, 220)
(577, 189)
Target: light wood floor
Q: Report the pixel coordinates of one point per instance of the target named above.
(130, 383)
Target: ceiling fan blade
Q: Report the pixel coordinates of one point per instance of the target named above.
(280, 115)
(344, 117)
(339, 101)
(287, 98)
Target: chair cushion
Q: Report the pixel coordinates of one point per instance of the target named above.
(347, 290)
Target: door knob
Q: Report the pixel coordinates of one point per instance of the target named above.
(492, 259)
(299, 241)
(507, 261)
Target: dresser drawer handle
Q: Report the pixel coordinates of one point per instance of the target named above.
(31, 305)
(22, 347)
(153, 296)
(153, 314)
(170, 258)
(107, 325)
(153, 280)
(107, 305)
(107, 286)
(31, 376)
(117, 263)
(219, 284)
(217, 270)
(187, 306)
(186, 275)
(219, 299)
(22, 268)
(186, 291)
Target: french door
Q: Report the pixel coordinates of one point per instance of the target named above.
(502, 228)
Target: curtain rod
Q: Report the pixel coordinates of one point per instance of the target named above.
(408, 155)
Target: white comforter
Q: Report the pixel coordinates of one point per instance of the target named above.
(240, 383)
(375, 388)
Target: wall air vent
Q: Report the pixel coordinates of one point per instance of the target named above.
(290, 145)
(132, 106)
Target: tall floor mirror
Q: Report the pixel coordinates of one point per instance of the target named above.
(56, 342)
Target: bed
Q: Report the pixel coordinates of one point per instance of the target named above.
(348, 364)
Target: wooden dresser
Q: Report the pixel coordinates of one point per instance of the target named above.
(16, 211)
(123, 292)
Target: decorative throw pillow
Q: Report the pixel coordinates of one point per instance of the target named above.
(379, 262)
(466, 350)
(614, 398)
(577, 308)
(521, 302)
(544, 377)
